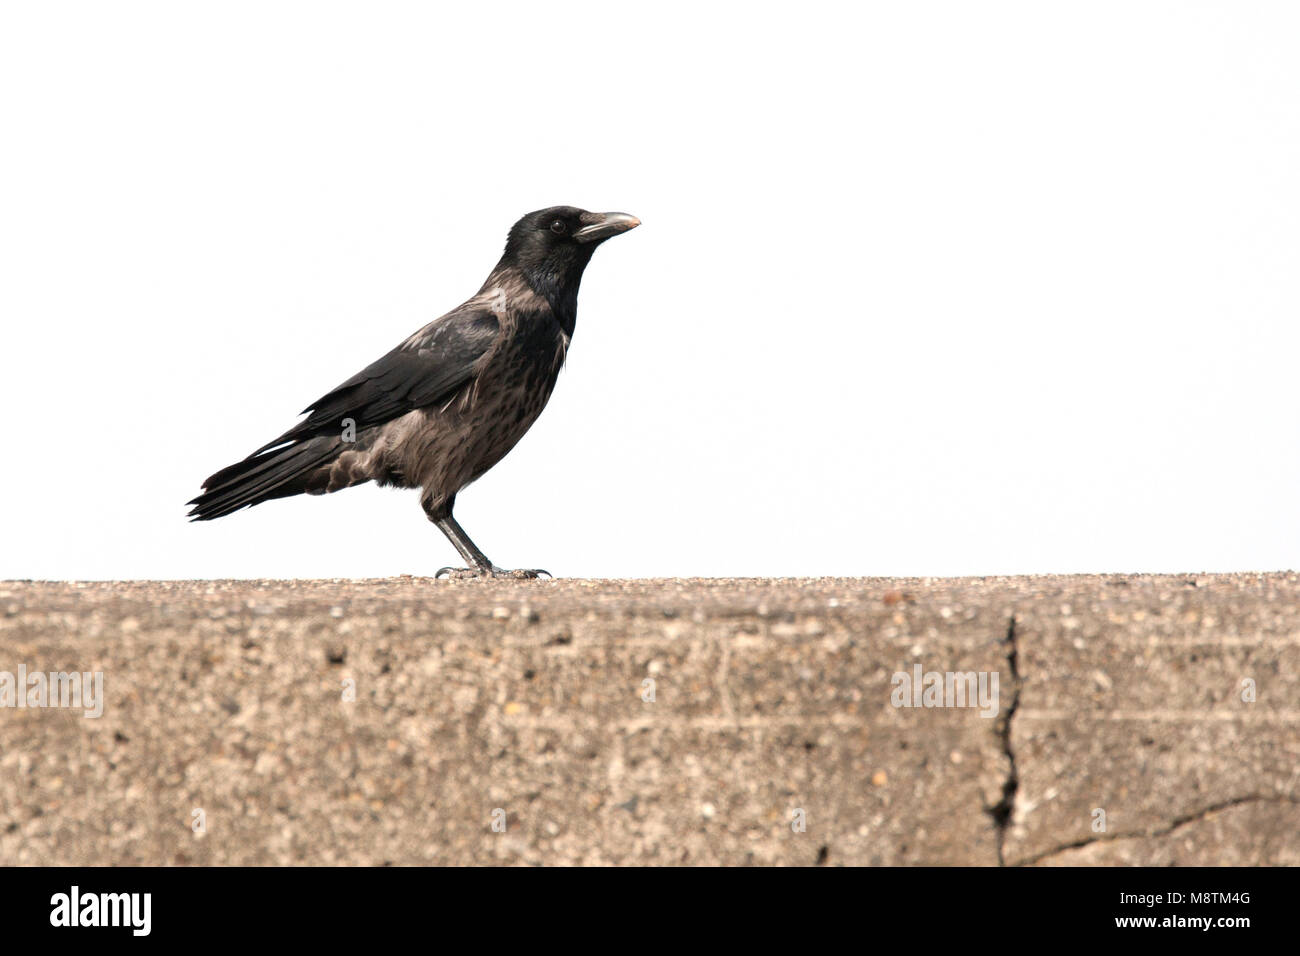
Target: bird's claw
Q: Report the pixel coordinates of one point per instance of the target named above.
(467, 574)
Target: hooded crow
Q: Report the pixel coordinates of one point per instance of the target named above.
(447, 404)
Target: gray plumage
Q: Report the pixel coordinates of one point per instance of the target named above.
(447, 404)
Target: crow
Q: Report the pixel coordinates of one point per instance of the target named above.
(447, 404)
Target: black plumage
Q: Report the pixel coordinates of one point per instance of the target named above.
(447, 404)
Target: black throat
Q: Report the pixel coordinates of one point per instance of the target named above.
(561, 293)
(555, 277)
(552, 268)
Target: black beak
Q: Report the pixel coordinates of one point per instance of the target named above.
(599, 226)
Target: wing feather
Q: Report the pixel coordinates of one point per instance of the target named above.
(424, 370)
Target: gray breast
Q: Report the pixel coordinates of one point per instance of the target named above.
(477, 427)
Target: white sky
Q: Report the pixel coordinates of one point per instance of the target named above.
(922, 288)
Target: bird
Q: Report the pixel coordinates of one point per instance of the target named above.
(450, 401)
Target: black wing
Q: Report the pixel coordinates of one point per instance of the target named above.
(424, 370)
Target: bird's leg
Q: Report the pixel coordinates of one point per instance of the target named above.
(476, 559)
(479, 565)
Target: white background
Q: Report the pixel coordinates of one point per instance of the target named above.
(922, 288)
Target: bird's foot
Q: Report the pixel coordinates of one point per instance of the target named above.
(469, 574)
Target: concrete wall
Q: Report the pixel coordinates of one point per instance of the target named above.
(771, 699)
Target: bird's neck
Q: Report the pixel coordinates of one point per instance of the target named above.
(559, 290)
(562, 295)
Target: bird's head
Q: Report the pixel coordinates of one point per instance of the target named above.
(553, 246)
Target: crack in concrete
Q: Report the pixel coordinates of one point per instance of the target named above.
(1003, 811)
(1160, 831)
(724, 688)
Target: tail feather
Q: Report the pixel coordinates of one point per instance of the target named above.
(261, 477)
(242, 471)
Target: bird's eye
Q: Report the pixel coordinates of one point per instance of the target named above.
(559, 228)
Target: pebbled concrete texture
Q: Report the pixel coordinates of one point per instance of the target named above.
(525, 703)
